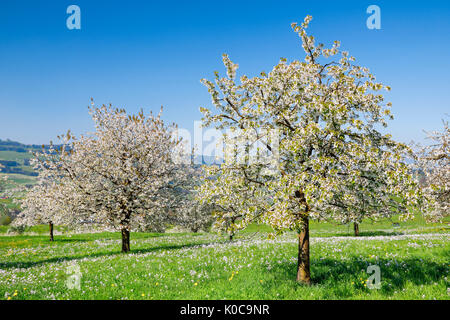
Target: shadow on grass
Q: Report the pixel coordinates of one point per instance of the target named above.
(338, 275)
(379, 233)
(26, 242)
(361, 234)
(29, 264)
(43, 239)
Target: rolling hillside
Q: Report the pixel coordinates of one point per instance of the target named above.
(15, 157)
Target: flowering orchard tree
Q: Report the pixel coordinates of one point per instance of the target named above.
(299, 139)
(49, 202)
(363, 205)
(193, 215)
(231, 193)
(433, 161)
(123, 175)
(196, 216)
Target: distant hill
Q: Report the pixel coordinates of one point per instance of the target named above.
(8, 145)
(15, 157)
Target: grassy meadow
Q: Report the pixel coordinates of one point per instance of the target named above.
(414, 260)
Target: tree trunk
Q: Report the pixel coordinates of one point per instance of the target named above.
(125, 240)
(50, 228)
(356, 228)
(303, 266)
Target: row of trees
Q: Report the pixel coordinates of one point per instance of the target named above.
(304, 142)
(433, 164)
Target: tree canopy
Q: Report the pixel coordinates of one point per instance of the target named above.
(304, 142)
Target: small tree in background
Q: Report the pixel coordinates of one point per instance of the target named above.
(433, 162)
(195, 216)
(49, 202)
(363, 207)
(192, 214)
(325, 117)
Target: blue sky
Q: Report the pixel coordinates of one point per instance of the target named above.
(144, 54)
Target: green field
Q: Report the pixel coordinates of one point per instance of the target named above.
(25, 176)
(207, 266)
(18, 179)
(414, 258)
(14, 181)
(15, 156)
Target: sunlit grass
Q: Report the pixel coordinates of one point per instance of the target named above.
(206, 266)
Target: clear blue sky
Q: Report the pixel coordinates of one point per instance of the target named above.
(144, 54)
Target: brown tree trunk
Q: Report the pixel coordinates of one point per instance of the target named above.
(303, 266)
(50, 228)
(356, 228)
(125, 240)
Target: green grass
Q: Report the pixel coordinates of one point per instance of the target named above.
(19, 179)
(322, 229)
(383, 227)
(207, 266)
(368, 227)
(15, 156)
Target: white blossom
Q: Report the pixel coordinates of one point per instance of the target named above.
(433, 162)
